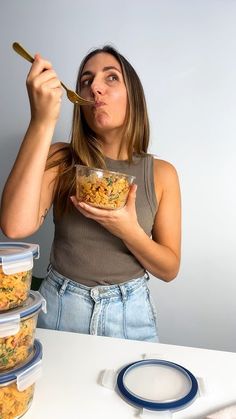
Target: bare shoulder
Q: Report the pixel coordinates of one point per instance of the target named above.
(164, 171)
(165, 177)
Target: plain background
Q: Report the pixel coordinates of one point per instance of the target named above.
(184, 53)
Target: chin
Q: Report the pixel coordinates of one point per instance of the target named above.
(102, 125)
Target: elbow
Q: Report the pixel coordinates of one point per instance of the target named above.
(173, 269)
(169, 276)
(12, 234)
(171, 273)
(17, 232)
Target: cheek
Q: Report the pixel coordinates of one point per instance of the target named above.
(120, 101)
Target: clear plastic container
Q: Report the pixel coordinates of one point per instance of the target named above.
(17, 386)
(16, 263)
(102, 188)
(17, 331)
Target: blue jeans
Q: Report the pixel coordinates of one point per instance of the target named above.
(123, 311)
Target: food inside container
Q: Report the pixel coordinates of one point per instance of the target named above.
(17, 385)
(14, 289)
(16, 263)
(102, 188)
(17, 331)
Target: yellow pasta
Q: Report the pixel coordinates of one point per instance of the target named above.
(16, 348)
(108, 192)
(14, 289)
(14, 403)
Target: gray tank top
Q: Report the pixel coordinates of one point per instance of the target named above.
(86, 252)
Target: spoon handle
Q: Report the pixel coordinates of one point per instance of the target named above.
(21, 51)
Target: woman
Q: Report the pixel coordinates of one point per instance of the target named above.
(97, 276)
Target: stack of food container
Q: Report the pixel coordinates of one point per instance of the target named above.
(20, 352)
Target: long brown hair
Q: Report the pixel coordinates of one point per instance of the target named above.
(84, 147)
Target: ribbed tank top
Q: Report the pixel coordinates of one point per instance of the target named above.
(86, 252)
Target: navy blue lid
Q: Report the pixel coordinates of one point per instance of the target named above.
(11, 375)
(12, 251)
(34, 302)
(154, 405)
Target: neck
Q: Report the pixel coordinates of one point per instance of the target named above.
(114, 154)
(111, 146)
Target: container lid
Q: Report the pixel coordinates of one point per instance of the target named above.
(26, 374)
(158, 385)
(17, 257)
(10, 320)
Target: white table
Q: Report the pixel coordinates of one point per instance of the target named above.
(72, 363)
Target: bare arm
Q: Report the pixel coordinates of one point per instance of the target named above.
(28, 192)
(161, 254)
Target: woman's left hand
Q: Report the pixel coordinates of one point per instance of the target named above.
(121, 222)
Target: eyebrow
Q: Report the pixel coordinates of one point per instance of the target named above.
(90, 73)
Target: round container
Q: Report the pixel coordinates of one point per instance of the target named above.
(16, 263)
(102, 188)
(17, 331)
(17, 386)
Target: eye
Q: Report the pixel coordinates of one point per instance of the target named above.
(85, 82)
(112, 77)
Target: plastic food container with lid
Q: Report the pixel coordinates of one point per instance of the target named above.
(17, 385)
(16, 263)
(17, 331)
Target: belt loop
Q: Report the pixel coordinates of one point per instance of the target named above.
(63, 287)
(49, 268)
(123, 292)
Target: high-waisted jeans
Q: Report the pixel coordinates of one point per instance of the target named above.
(123, 311)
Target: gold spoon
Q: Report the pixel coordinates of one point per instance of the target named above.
(72, 96)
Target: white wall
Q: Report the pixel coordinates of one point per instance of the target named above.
(184, 52)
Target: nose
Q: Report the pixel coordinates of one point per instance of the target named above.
(97, 88)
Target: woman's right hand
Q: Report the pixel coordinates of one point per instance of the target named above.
(44, 90)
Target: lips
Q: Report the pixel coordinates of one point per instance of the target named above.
(98, 107)
(99, 104)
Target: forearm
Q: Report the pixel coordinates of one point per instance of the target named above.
(21, 195)
(157, 259)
